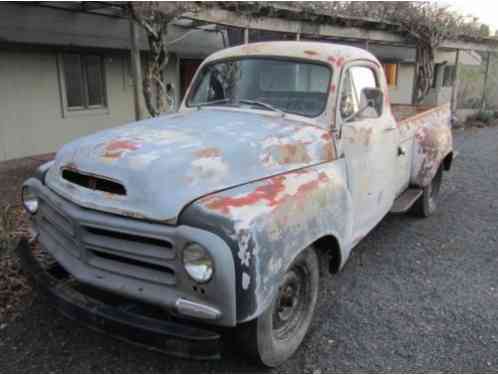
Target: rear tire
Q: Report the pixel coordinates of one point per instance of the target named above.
(426, 205)
(277, 333)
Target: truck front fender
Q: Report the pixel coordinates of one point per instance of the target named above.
(269, 222)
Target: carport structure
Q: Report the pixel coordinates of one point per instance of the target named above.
(239, 23)
(386, 40)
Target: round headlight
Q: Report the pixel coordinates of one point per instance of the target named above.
(198, 263)
(30, 200)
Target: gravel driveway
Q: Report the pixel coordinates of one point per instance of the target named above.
(417, 295)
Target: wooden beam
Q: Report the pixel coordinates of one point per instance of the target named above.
(468, 46)
(136, 65)
(485, 83)
(232, 19)
(454, 88)
(415, 78)
(246, 35)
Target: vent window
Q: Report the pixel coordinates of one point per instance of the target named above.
(93, 182)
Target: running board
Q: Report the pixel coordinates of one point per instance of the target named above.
(405, 201)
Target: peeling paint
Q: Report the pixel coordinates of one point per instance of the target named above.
(361, 136)
(117, 148)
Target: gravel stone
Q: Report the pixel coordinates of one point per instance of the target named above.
(417, 295)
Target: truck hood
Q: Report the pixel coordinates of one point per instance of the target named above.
(167, 162)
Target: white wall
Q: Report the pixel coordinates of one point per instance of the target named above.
(402, 93)
(31, 120)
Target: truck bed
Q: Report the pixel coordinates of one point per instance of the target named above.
(402, 112)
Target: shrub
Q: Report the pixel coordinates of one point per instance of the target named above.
(7, 228)
(485, 116)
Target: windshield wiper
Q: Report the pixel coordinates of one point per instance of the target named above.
(262, 104)
(213, 102)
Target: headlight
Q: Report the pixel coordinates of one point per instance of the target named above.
(198, 263)
(30, 200)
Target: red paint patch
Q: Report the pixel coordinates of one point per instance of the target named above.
(117, 148)
(332, 88)
(270, 193)
(340, 61)
(331, 59)
(267, 193)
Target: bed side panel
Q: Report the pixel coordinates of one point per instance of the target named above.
(432, 142)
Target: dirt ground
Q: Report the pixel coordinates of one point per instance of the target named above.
(417, 295)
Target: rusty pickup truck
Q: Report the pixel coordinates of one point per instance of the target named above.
(178, 230)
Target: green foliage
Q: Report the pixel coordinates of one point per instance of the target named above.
(484, 31)
(486, 116)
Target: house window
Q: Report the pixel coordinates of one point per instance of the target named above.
(391, 71)
(449, 75)
(83, 82)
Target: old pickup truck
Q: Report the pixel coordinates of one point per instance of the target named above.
(175, 230)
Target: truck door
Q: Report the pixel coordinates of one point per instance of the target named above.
(368, 143)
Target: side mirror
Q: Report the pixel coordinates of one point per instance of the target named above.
(374, 99)
(371, 104)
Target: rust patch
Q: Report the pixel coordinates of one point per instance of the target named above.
(117, 148)
(291, 153)
(327, 137)
(268, 193)
(336, 61)
(310, 52)
(210, 152)
(272, 193)
(329, 152)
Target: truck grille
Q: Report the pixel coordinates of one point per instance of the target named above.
(93, 182)
(111, 249)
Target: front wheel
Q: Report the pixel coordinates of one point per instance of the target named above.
(426, 205)
(277, 333)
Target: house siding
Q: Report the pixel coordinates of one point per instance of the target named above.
(402, 93)
(32, 119)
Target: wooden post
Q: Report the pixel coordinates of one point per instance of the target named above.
(454, 89)
(415, 78)
(483, 102)
(246, 36)
(136, 66)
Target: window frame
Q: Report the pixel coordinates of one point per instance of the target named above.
(452, 76)
(397, 65)
(196, 80)
(86, 109)
(376, 71)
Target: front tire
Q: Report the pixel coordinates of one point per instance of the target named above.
(277, 333)
(426, 205)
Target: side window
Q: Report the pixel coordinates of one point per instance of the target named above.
(83, 82)
(352, 97)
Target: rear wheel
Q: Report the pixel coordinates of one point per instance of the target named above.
(277, 333)
(426, 205)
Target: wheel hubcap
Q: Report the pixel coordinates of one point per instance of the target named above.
(290, 306)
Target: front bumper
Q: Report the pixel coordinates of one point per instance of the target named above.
(135, 259)
(120, 321)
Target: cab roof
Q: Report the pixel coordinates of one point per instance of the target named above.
(332, 54)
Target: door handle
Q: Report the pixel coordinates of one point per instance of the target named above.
(390, 129)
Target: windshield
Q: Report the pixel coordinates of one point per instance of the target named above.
(269, 84)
